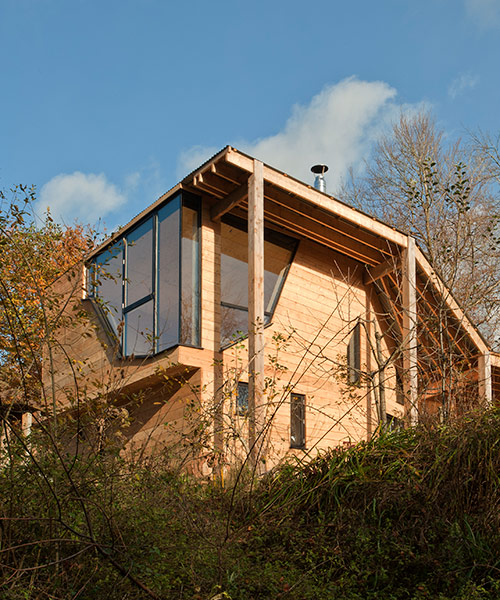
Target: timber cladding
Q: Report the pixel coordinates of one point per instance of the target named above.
(339, 310)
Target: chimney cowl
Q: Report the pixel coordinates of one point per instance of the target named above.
(319, 180)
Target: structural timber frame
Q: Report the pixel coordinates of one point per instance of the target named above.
(394, 271)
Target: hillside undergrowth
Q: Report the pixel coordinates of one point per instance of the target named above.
(410, 515)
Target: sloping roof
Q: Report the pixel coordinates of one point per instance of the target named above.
(306, 212)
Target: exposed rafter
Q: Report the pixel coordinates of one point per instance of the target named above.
(229, 202)
(374, 273)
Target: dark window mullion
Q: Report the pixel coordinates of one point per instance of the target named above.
(179, 324)
(267, 313)
(138, 303)
(155, 282)
(124, 292)
(235, 306)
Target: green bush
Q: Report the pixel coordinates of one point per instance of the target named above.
(411, 515)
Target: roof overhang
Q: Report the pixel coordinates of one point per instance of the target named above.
(305, 212)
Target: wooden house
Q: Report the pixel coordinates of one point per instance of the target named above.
(248, 314)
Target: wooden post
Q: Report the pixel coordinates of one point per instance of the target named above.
(256, 408)
(26, 423)
(410, 370)
(368, 356)
(212, 375)
(484, 378)
(381, 382)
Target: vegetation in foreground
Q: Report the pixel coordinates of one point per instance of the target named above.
(411, 515)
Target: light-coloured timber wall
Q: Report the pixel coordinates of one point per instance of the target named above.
(322, 299)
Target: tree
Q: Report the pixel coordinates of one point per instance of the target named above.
(441, 193)
(32, 256)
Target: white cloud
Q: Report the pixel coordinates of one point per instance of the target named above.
(192, 158)
(486, 13)
(80, 196)
(464, 82)
(337, 128)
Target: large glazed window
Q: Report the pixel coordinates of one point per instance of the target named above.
(168, 274)
(108, 287)
(138, 302)
(278, 252)
(137, 282)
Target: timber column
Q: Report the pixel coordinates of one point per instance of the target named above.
(410, 367)
(256, 407)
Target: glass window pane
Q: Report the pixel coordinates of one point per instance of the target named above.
(139, 262)
(234, 324)
(276, 261)
(278, 250)
(242, 398)
(139, 338)
(297, 420)
(108, 278)
(234, 266)
(168, 275)
(190, 299)
(354, 355)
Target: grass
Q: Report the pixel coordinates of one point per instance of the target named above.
(411, 515)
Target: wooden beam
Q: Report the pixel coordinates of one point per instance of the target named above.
(369, 319)
(318, 219)
(302, 190)
(230, 201)
(441, 289)
(484, 378)
(256, 408)
(322, 234)
(381, 270)
(409, 302)
(212, 181)
(230, 173)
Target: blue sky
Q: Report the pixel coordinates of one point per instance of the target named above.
(104, 105)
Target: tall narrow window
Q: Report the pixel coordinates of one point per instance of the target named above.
(242, 398)
(139, 306)
(354, 356)
(107, 285)
(168, 304)
(297, 420)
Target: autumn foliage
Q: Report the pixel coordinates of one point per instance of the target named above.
(33, 253)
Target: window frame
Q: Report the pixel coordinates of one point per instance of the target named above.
(354, 356)
(185, 200)
(274, 237)
(128, 308)
(242, 407)
(300, 443)
(394, 423)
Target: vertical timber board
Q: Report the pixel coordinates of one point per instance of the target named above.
(256, 408)
(211, 389)
(410, 369)
(484, 378)
(368, 357)
(26, 423)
